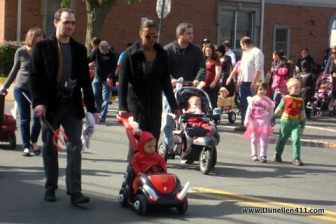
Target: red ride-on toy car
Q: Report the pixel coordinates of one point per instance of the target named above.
(7, 125)
(155, 187)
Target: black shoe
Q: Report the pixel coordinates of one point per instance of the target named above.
(79, 198)
(240, 128)
(50, 196)
(277, 158)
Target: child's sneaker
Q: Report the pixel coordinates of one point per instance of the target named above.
(277, 158)
(263, 159)
(297, 163)
(254, 158)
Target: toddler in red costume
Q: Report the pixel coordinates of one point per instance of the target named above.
(146, 156)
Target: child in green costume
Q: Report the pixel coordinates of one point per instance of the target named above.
(292, 122)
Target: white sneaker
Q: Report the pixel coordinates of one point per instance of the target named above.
(26, 152)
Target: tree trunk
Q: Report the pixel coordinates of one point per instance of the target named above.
(97, 11)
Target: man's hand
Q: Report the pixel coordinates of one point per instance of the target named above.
(124, 114)
(39, 111)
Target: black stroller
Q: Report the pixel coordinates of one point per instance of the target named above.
(193, 143)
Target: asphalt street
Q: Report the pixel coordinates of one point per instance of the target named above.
(236, 183)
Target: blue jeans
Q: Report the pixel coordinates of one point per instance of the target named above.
(276, 98)
(167, 123)
(102, 98)
(24, 108)
(244, 92)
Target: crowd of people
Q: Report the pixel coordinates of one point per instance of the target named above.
(52, 76)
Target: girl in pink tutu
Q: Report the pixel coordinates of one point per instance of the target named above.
(258, 121)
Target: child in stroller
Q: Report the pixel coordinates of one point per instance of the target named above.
(147, 182)
(323, 90)
(196, 135)
(198, 126)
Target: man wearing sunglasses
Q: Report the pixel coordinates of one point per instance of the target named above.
(186, 60)
(59, 71)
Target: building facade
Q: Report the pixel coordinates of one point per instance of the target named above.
(272, 24)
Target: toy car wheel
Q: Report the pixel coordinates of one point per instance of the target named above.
(214, 157)
(140, 205)
(232, 117)
(12, 140)
(205, 160)
(163, 150)
(123, 197)
(182, 208)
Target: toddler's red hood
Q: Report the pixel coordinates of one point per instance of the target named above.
(145, 136)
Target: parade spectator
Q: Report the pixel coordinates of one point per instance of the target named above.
(229, 52)
(226, 70)
(258, 121)
(186, 60)
(280, 72)
(20, 72)
(309, 61)
(144, 75)
(252, 70)
(234, 75)
(307, 86)
(292, 122)
(331, 69)
(59, 71)
(205, 42)
(213, 73)
(106, 63)
(121, 55)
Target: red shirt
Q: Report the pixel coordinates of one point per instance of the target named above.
(211, 72)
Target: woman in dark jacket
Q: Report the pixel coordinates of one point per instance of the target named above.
(144, 74)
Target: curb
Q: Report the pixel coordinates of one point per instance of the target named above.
(310, 143)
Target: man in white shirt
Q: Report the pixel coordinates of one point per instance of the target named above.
(251, 70)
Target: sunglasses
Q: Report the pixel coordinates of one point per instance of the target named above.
(153, 36)
(67, 22)
(333, 52)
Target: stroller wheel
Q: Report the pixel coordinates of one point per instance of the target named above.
(163, 150)
(205, 160)
(12, 140)
(232, 117)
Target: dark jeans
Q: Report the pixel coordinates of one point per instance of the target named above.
(24, 108)
(244, 92)
(72, 126)
(213, 95)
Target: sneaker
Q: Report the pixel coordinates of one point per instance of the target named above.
(254, 158)
(26, 152)
(79, 198)
(50, 196)
(263, 159)
(240, 128)
(297, 163)
(277, 158)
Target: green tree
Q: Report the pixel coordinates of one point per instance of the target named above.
(97, 11)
